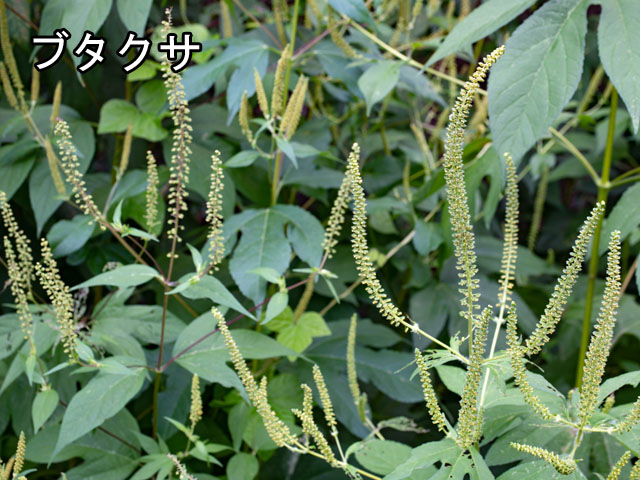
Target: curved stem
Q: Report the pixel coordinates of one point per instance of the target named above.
(578, 154)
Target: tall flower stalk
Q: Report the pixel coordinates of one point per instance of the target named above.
(463, 237)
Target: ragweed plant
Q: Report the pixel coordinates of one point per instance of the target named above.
(467, 434)
(140, 321)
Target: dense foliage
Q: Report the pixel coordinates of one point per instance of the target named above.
(320, 251)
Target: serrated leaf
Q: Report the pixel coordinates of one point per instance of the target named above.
(125, 276)
(378, 81)
(482, 21)
(299, 335)
(533, 81)
(103, 397)
(116, 115)
(43, 406)
(618, 40)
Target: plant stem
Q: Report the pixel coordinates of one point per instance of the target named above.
(303, 303)
(603, 192)
(578, 154)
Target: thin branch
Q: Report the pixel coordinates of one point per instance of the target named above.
(628, 277)
(410, 61)
(578, 154)
(111, 434)
(255, 20)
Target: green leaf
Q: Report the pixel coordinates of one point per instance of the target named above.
(431, 306)
(76, 16)
(242, 466)
(304, 232)
(16, 161)
(153, 464)
(528, 265)
(611, 385)
(103, 397)
(275, 306)
(125, 276)
(533, 81)
(385, 369)
(299, 335)
(105, 458)
(427, 237)
(67, 236)
(269, 274)
(482, 21)
(208, 358)
(480, 470)
(141, 321)
(44, 405)
(116, 116)
(313, 323)
(134, 14)
(145, 71)
(211, 288)
(242, 159)
(625, 217)
(287, 149)
(263, 244)
(378, 81)
(355, 9)
(424, 456)
(11, 336)
(382, 456)
(618, 39)
(200, 78)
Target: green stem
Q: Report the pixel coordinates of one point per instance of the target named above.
(156, 391)
(305, 298)
(578, 154)
(603, 192)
